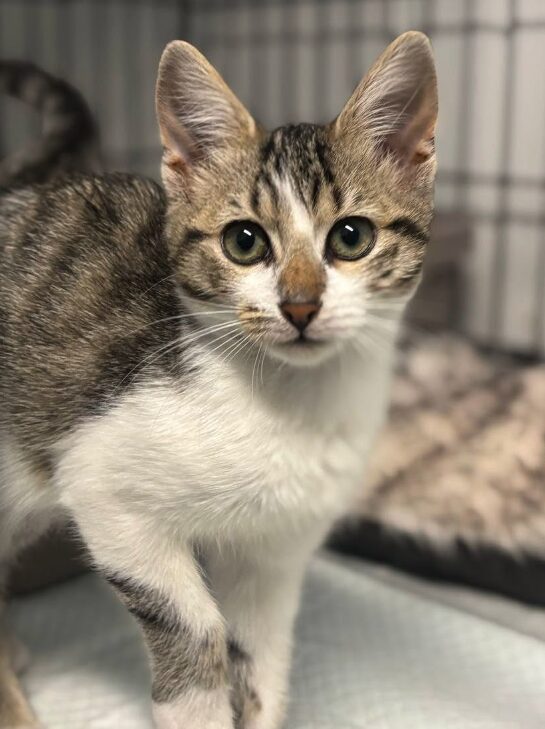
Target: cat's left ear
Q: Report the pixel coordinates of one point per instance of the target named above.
(199, 116)
(394, 108)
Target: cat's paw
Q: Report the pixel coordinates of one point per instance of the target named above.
(249, 713)
(252, 708)
(260, 711)
(263, 721)
(246, 705)
(195, 710)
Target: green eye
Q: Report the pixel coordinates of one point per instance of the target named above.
(245, 243)
(351, 238)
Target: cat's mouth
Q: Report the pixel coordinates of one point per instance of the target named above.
(303, 341)
(303, 351)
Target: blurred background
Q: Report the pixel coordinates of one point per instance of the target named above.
(292, 60)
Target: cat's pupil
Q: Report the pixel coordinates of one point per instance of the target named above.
(350, 235)
(245, 240)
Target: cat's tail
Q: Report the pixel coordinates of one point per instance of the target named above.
(69, 139)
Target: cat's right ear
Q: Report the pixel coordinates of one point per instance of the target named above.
(199, 116)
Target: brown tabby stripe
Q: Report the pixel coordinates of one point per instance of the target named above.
(322, 154)
(300, 149)
(244, 698)
(407, 227)
(255, 197)
(195, 291)
(192, 236)
(104, 272)
(180, 660)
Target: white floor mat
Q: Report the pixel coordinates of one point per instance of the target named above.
(369, 655)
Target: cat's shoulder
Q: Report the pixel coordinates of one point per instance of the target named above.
(108, 220)
(112, 198)
(108, 201)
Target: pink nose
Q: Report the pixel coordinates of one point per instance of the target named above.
(300, 315)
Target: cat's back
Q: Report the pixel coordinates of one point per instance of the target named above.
(77, 222)
(84, 274)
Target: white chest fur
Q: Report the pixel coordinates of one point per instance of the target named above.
(216, 458)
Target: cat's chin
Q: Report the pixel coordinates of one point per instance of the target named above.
(304, 352)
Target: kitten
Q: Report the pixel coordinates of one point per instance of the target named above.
(196, 376)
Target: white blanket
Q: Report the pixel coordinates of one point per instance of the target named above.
(372, 652)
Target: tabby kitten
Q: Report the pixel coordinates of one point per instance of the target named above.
(196, 376)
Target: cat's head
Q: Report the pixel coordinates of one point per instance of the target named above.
(310, 238)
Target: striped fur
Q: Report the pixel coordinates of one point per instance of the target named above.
(155, 391)
(179, 662)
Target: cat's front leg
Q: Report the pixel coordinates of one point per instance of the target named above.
(259, 600)
(187, 650)
(158, 579)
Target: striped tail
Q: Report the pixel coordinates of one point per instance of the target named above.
(69, 140)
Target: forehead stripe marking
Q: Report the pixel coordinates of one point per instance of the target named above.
(299, 212)
(321, 153)
(271, 187)
(255, 195)
(324, 162)
(301, 194)
(337, 197)
(316, 186)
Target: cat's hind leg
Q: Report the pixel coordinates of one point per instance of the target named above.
(20, 657)
(15, 711)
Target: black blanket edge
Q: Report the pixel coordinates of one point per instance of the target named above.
(486, 567)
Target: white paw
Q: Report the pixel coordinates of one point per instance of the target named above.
(196, 709)
(271, 713)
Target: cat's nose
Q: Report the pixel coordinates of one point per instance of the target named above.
(300, 315)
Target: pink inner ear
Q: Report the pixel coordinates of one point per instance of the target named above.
(179, 149)
(415, 141)
(424, 150)
(175, 162)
